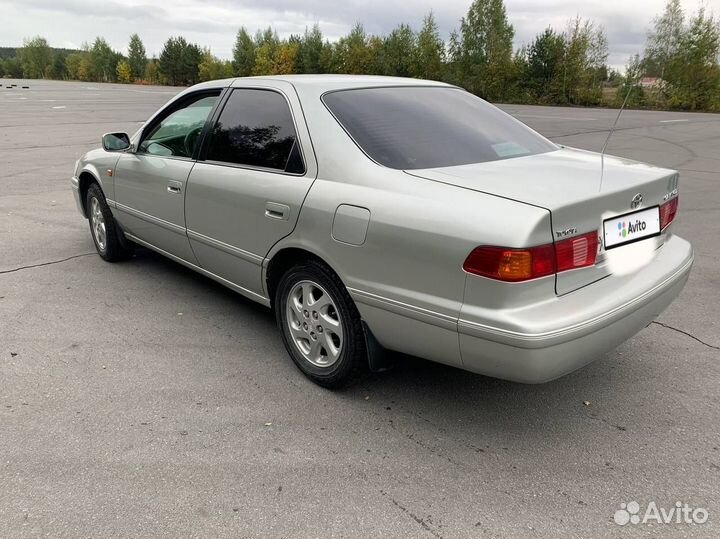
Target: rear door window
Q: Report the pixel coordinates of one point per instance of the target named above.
(256, 129)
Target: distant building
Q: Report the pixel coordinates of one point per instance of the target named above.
(651, 82)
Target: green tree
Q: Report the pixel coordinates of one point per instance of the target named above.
(179, 61)
(267, 38)
(583, 66)
(630, 88)
(124, 72)
(86, 69)
(103, 61)
(483, 49)
(152, 72)
(330, 60)
(398, 52)
(353, 52)
(429, 59)
(453, 67)
(663, 41)
(517, 88)
(286, 58)
(266, 47)
(243, 54)
(212, 68)
(137, 57)
(310, 51)
(264, 61)
(12, 68)
(376, 53)
(544, 66)
(57, 69)
(72, 65)
(693, 75)
(36, 57)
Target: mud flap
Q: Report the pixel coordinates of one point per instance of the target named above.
(378, 357)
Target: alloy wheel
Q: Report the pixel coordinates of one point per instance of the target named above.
(98, 224)
(314, 323)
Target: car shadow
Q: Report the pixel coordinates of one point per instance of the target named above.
(450, 401)
(478, 411)
(151, 260)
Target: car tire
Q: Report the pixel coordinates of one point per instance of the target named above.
(320, 325)
(103, 228)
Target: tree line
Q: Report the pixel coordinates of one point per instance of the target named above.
(677, 69)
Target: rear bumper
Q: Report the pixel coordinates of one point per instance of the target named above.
(75, 183)
(552, 338)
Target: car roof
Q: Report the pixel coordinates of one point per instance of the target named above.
(350, 81)
(323, 83)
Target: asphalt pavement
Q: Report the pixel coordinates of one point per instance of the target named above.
(142, 400)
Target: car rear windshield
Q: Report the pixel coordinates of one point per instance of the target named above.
(417, 127)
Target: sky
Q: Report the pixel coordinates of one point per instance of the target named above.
(214, 23)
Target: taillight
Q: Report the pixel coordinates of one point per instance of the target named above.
(511, 264)
(668, 211)
(514, 265)
(576, 252)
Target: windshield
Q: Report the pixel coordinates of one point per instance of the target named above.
(415, 127)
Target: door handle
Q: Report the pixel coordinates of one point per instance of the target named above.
(273, 210)
(174, 187)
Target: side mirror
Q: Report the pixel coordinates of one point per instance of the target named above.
(116, 142)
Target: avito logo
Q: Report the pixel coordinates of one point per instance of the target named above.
(681, 513)
(629, 228)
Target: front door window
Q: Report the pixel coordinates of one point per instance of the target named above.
(178, 134)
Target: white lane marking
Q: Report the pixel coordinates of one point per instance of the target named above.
(48, 100)
(671, 121)
(60, 107)
(521, 115)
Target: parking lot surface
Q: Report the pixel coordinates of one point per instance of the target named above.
(140, 399)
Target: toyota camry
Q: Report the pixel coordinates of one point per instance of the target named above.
(375, 214)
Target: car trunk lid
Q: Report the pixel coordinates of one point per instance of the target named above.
(568, 183)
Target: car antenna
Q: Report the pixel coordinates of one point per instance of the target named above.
(633, 82)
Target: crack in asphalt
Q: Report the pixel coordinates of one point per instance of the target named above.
(686, 333)
(45, 263)
(409, 513)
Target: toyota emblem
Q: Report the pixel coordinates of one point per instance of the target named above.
(636, 201)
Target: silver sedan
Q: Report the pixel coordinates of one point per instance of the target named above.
(376, 214)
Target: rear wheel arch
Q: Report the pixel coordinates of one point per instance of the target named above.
(285, 259)
(290, 257)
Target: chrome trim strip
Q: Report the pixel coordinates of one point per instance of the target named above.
(111, 203)
(235, 251)
(151, 219)
(398, 307)
(253, 168)
(239, 289)
(567, 333)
